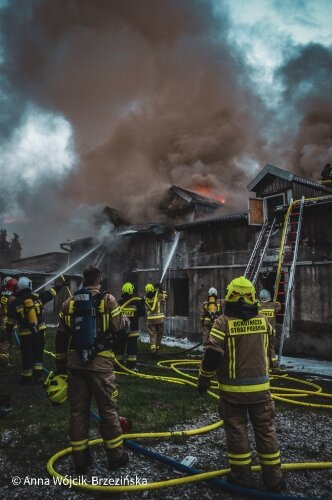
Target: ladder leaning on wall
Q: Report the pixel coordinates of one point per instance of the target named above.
(285, 279)
(259, 251)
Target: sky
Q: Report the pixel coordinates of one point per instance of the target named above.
(110, 102)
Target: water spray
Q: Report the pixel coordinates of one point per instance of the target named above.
(170, 256)
(67, 268)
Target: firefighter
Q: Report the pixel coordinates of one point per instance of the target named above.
(237, 351)
(84, 351)
(155, 311)
(270, 309)
(211, 309)
(134, 308)
(7, 296)
(27, 311)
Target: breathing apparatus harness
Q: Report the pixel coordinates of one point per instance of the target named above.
(86, 339)
(212, 310)
(30, 314)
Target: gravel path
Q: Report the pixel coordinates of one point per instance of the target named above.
(304, 436)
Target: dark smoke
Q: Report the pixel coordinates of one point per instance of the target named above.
(307, 80)
(155, 95)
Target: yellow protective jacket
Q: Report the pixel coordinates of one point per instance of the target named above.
(5, 300)
(155, 308)
(17, 314)
(109, 320)
(210, 311)
(239, 352)
(270, 309)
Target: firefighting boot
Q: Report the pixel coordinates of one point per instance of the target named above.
(26, 380)
(279, 487)
(38, 377)
(79, 461)
(116, 463)
(88, 457)
(4, 405)
(153, 351)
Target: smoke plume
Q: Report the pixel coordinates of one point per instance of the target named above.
(148, 94)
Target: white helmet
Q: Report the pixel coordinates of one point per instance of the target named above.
(212, 291)
(265, 295)
(24, 283)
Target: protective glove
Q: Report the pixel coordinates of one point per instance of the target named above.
(203, 385)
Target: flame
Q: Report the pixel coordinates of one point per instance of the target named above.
(209, 193)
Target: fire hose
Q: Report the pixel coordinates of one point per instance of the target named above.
(194, 475)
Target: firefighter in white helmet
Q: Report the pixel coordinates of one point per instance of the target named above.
(27, 312)
(210, 310)
(270, 310)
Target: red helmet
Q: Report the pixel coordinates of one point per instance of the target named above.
(10, 286)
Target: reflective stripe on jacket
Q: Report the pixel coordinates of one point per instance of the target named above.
(243, 373)
(155, 308)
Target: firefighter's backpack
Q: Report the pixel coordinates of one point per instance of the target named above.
(85, 323)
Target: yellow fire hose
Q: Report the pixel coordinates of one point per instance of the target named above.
(286, 396)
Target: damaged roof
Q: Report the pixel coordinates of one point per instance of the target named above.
(212, 220)
(194, 198)
(287, 176)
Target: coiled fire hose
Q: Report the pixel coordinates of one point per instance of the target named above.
(193, 475)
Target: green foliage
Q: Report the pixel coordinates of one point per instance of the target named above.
(9, 249)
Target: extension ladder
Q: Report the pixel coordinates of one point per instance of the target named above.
(259, 251)
(286, 267)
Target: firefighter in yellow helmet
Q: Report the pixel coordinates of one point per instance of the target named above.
(134, 308)
(84, 345)
(270, 309)
(237, 351)
(155, 302)
(211, 309)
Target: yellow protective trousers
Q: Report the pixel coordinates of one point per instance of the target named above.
(82, 385)
(261, 415)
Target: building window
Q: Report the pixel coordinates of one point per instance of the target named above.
(180, 290)
(271, 202)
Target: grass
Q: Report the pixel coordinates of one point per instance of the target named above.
(36, 429)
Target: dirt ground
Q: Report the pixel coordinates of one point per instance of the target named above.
(304, 434)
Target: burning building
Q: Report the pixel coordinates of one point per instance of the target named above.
(214, 247)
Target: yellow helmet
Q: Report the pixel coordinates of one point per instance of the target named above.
(149, 287)
(56, 388)
(241, 288)
(128, 288)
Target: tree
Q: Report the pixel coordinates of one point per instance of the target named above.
(15, 247)
(4, 248)
(9, 250)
